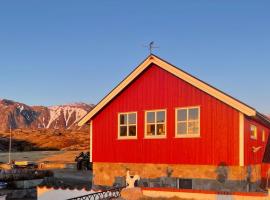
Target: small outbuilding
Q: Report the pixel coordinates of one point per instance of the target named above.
(174, 130)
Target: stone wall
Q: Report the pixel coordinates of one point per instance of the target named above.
(106, 173)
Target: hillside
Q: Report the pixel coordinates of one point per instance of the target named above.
(47, 139)
(16, 115)
(41, 127)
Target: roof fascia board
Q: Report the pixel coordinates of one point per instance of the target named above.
(116, 90)
(178, 73)
(206, 88)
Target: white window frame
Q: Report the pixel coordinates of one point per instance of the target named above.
(256, 132)
(145, 125)
(199, 121)
(263, 135)
(118, 126)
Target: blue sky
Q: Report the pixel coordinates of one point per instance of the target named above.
(55, 52)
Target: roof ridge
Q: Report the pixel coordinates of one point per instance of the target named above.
(153, 59)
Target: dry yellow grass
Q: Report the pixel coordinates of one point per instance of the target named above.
(28, 140)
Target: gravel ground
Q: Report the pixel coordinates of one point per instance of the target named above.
(29, 155)
(69, 177)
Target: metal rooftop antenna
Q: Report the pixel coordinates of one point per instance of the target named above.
(150, 47)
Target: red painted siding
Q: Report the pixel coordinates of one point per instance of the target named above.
(157, 89)
(250, 157)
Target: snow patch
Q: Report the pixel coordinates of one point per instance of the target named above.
(43, 122)
(20, 108)
(68, 111)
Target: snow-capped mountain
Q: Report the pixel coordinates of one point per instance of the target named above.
(17, 115)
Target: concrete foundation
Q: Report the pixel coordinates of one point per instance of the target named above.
(198, 177)
(203, 195)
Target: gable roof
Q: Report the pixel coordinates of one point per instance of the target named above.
(152, 59)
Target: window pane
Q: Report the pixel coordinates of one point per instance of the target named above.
(182, 115)
(132, 130)
(123, 131)
(123, 119)
(150, 129)
(263, 136)
(132, 118)
(193, 114)
(182, 128)
(150, 117)
(161, 116)
(160, 129)
(193, 127)
(253, 132)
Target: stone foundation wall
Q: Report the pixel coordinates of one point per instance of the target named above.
(106, 173)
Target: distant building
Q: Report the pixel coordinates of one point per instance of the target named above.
(174, 130)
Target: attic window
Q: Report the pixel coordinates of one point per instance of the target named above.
(253, 132)
(155, 124)
(187, 122)
(127, 125)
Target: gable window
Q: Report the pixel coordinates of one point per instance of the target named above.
(263, 136)
(187, 122)
(155, 124)
(253, 132)
(127, 125)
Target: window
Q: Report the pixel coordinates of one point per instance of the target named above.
(253, 132)
(188, 122)
(155, 124)
(263, 136)
(127, 125)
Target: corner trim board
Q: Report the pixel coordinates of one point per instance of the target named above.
(91, 141)
(241, 140)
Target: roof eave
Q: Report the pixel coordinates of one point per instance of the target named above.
(263, 119)
(152, 59)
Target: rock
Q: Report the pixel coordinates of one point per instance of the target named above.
(26, 184)
(131, 193)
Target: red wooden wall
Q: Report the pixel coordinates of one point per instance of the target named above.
(250, 157)
(157, 89)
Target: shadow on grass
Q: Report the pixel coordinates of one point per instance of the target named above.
(22, 145)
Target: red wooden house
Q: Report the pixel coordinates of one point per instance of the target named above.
(167, 126)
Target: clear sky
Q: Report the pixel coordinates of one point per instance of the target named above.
(55, 52)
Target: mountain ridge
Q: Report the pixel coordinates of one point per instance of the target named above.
(17, 115)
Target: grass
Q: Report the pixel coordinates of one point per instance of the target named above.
(29, 140)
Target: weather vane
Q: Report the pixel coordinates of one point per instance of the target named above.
(150, 47)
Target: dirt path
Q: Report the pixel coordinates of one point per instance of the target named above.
(41, 156)
(63, 157)
(29, 155)
(69, 177)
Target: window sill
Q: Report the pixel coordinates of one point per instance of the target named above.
(188, 136)
(253, 138)
(127, 138)
(155, 137)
